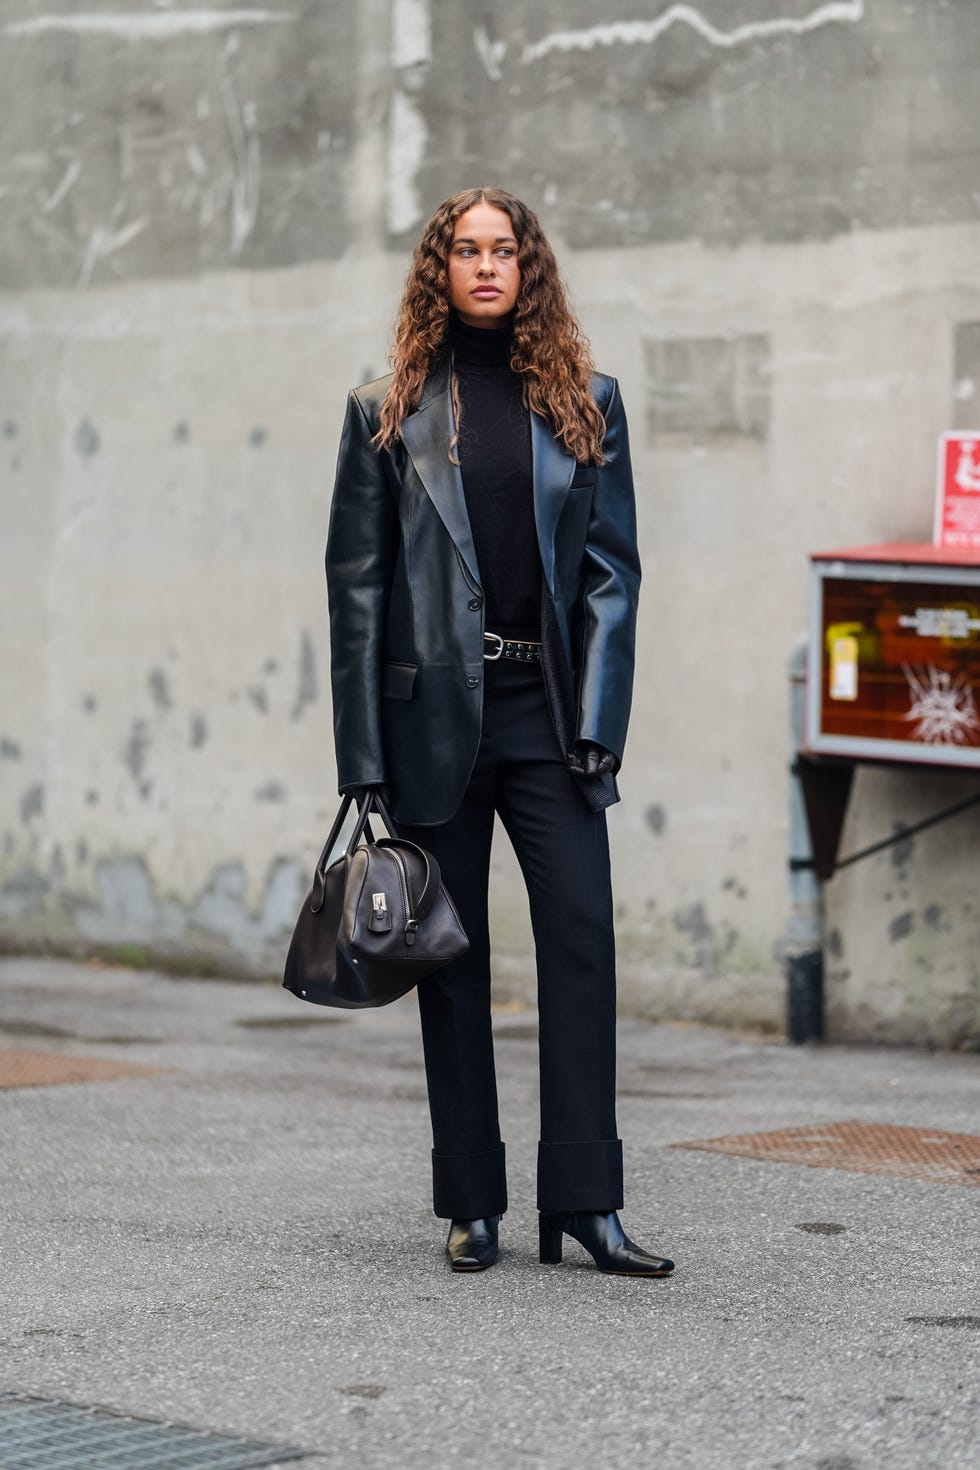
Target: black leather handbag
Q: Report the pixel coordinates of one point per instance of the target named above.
(375, 922)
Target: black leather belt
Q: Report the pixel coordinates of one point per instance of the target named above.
(525, 653)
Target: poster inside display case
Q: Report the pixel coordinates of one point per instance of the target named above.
(894, 668)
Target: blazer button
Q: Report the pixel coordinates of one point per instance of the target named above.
(475, 604)
(472, 681)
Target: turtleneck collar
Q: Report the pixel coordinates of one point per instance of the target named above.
(481, 346)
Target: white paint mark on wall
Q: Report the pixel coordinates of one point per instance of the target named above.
(411, 33)
(243, 130)
(195, 160)
(491, 53)
(106, 242)
(48, 202)
(407, 138)
(131, 26)
(646, 32)
(408, 134)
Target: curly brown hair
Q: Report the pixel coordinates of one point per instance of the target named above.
(549, 349)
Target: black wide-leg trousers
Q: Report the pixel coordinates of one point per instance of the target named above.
(563, 852)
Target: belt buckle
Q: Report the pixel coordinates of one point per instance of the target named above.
(492, 657)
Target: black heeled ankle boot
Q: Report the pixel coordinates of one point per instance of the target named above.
(605, 1240)
(472, 1244)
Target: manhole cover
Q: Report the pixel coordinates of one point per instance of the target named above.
(43, 1434)
(46, 1069)
(927, 1154)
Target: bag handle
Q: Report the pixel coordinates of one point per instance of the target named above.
(362, 827)
(383, 812)
(433, 877)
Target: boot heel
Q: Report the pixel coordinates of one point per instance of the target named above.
(549, 1239)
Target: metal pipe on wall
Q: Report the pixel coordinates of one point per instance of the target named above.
(804, 942)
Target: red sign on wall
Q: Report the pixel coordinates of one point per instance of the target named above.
(958, 491)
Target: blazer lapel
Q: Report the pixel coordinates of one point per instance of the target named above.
(552, 469)
(426, 434)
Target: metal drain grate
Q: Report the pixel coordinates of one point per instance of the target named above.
(45, 1069)
(927, 1154)
(44, 1434)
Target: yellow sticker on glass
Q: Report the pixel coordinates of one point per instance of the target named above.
(844, 667)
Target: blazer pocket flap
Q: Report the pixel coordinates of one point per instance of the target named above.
(398, 680)
(583, 478)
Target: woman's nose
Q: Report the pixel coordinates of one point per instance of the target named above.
(486, 267)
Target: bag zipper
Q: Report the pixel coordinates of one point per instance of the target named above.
(411, 923)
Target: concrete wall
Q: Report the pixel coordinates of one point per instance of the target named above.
(768, 214)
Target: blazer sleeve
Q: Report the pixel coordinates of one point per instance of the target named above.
(610, 593)
(362, 542)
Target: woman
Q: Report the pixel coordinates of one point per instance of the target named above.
(483, 576)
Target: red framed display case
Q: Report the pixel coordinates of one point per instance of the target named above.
(894, 654)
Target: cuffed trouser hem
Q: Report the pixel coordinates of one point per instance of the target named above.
(469, 1186)
(581, 1176)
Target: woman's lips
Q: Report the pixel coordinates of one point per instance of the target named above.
(486, 291)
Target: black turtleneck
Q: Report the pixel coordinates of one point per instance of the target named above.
(494, 452)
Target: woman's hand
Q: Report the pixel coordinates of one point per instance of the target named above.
(595, 759)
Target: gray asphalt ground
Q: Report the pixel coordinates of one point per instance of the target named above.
(245, 1243)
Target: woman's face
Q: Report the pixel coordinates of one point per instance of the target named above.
(484, 277)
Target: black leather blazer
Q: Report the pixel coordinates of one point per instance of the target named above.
(406, 604)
